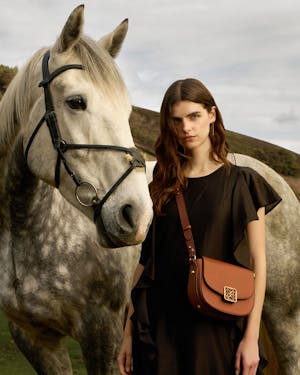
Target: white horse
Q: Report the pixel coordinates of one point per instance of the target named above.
(282, 304)
(64, 123)
(281, 311)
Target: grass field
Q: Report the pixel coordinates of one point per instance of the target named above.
(12, 362)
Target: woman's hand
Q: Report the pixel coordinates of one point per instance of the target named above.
(125, 356)
(247, 357)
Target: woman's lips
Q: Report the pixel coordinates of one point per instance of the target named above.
(189, 138)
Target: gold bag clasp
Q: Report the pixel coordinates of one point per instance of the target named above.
(230, 294)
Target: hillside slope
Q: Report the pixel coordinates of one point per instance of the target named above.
(144, 125)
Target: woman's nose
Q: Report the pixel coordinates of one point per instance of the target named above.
(186, 127)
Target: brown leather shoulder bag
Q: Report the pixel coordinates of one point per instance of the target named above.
(215, 288)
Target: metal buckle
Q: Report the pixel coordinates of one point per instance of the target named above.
(87, 198)
(230, 294)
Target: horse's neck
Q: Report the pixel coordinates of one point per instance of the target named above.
(19, 188)
(38, 214)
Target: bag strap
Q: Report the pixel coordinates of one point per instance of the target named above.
(186, 226)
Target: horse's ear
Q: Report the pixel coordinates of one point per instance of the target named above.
(71, 31)
(113, 41)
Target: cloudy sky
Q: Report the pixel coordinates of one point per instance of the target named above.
(246, 52)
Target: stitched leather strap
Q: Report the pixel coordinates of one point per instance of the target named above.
(186, 226)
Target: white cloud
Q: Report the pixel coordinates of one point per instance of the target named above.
(247, 53)
(289, 117)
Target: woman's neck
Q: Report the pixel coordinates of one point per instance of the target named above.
(201, 163)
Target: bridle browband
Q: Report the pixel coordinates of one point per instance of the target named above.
(61, 146)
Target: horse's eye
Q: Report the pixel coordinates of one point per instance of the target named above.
(76, 102)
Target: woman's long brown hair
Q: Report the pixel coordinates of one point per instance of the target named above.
(168, 173)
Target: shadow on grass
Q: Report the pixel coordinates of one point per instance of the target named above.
(12, 361)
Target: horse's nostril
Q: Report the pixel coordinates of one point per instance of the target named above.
(127, 213)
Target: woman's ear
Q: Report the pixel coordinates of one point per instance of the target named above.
(212, 114)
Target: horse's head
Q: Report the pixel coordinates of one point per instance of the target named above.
(79, 104)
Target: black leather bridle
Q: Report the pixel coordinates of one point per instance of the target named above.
(61, 146)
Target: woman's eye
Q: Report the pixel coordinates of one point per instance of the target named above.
(76, 102)
(193, 116)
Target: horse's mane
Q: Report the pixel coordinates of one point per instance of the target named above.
(15, 104)
(17, 101)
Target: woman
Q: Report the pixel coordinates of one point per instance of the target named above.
(226, 204)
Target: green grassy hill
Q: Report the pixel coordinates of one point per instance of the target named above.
(145, 129)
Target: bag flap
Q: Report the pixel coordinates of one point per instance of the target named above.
(218, 274)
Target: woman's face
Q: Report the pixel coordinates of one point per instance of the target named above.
(191, 122)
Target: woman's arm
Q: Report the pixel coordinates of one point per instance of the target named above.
(247, 356)
(125, 356)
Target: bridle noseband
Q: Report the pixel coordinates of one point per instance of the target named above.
(61, 146)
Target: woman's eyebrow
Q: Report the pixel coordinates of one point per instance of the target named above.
(194, 113)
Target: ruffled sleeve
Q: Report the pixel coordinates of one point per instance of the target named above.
(250, 193)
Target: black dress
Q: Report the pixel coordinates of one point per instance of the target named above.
(170, 336)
